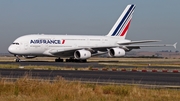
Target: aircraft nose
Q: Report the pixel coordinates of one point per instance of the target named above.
(10, 49)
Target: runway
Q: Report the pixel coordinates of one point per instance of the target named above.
(172, 79)
(62, 64)
(77, 65)
(59, 64)
(150, 78)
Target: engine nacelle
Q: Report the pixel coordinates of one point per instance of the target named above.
(82, 54)
(29, 57)
(116, 52)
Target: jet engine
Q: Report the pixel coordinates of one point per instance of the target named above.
(82, 54)
(116, 52)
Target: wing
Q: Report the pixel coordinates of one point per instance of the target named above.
(127, 46)
(70, 52)
(62, 53)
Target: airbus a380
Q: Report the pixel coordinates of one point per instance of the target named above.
(78, 47)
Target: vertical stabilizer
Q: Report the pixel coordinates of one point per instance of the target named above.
(121, 26)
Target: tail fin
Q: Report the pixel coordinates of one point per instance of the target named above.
(121, 26)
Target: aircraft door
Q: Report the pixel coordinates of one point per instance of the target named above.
(25, 45)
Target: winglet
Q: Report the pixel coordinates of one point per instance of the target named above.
(174, 45)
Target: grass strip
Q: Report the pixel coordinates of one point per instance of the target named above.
(25, 89)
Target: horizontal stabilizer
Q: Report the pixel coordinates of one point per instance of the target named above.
(155, 45)
(175, 45)
(134, 42)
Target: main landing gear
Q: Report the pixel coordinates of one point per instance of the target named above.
(75, 60)
(70, 60)
(59, 60)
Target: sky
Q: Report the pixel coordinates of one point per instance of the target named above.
(152, 19)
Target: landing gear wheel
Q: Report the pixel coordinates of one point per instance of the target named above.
(59, 60)
(75, 60)
(17, 58)
(84, 60)
(69, 60)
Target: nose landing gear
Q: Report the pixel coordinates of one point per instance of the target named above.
(17, 58)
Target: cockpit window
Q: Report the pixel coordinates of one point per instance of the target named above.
(15, 43)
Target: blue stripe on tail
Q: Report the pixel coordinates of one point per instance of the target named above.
(124, 22)
(115, 32)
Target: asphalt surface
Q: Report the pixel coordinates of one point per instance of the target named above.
(77, 65)
(149, 78)
(60, 64)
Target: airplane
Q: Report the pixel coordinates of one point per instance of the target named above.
(78, 48)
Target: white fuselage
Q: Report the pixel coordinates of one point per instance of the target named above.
(44, 45)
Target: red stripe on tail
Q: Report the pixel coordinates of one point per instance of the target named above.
(126, 28)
